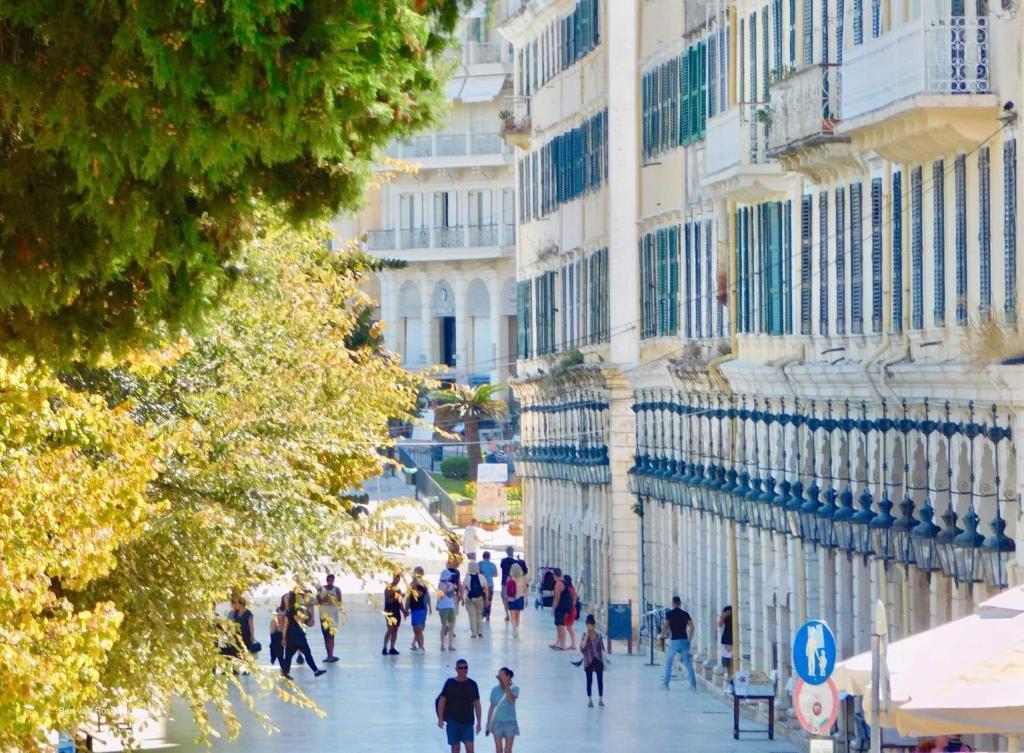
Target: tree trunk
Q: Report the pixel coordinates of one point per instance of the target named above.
(473, 445)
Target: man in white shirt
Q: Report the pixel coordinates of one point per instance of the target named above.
(329, 598)
(469, 540)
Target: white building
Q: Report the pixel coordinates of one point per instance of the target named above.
(787, 257)
(451, 220)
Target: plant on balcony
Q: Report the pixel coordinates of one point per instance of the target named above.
(490, 525)
(515, 527)
(763, 115)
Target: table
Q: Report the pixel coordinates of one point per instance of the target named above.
(749, 691)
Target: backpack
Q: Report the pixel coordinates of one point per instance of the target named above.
(475, 589)
(548, 581)
(573, 601)
(510, 588)
(437, 701)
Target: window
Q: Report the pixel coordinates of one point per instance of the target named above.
(840, 261)
(856, 262)
(916, 248)
(1010, 229)
(574, 163)
(742, 271)
(597, 282)
(659, 276)
(823, 263)
(777, 35)
(939, 241)
(544, 295)
(960, 196)
(524, 318)
(805, 264)
(858, 21)
(876, 255)
(876, 19)
(985, 231)
(706, 292)
(792, 32)
(787, 268)
(808, 32)
(776, 253)
(897, 252)
(840, 29)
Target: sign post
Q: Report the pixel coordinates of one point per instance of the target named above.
(815, 696)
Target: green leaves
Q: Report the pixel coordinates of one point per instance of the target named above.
(137, 142)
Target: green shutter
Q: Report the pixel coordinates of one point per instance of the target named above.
(703, 112)
(772, 307)
(684, 99)
(673, 276)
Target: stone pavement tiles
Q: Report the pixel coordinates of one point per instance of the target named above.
(386, 703)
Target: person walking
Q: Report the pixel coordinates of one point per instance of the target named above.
(725, 622)
(506, 567)
(243, 620)
(571, 614)
(592, 648)
(446, 604)
(393, 609)
(469, 540)
(417, 605)
(501, 716)
(456, 705)
(296, 616)
(678, 628)
(490, 571)
(474, 591)
(560, 607)
(329, 598)
(514, 593)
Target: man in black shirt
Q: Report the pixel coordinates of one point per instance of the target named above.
(678, 628)
(459, 700)
(725, 622)
(506, 566)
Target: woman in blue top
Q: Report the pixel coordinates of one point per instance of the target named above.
(501, 717)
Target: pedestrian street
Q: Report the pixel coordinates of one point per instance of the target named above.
(375, 702)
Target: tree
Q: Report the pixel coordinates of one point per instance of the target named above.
(470, 404)
(151, 490)
(139, 141)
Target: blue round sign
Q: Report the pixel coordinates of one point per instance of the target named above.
(814, 652)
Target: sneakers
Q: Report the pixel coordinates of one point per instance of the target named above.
(393, 652)
(319, 672)
(383, 652)
(590, 703)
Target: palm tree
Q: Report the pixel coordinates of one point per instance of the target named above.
(467, 404)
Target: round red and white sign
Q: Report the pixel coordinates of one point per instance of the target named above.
(817, 706)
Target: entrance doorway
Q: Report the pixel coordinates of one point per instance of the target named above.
(448, 340)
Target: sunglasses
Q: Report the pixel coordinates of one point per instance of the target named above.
(461, 667)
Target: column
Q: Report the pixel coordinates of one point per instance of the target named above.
(460, 289)
(391, 316)
(755, 604)
(861, 606)
(844, 628)
(427, 319)
(742, 610)
(624, 529)
(499, 349)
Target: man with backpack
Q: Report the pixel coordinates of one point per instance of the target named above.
(475, 595)
(506, 568)
(456, 705)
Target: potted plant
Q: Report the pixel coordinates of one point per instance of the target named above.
(490, 524)
(515, 527)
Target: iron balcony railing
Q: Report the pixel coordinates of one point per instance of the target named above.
(803, 108)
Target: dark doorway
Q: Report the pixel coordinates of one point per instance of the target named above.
(448, 340)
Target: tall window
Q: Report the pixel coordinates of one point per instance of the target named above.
(805, 264)
(694, 293)
(985, 231)
(939, 241)
(743, 293)
(524, 318)
(823, 263)
(1010, 229)
(707, 294)
(659, 276)
(917, 248)
(775, 253)
(897, 252)
(840, 261)
(876, 255)
(856, 261)
(808, 32)
(960, 196)
(858, 21)
(597, 298)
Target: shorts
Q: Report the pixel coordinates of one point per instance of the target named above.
(560, 618)
(447, 616)
(517, 605)
(419, 617)
(505, 729)
(393, 617)
(459, 732)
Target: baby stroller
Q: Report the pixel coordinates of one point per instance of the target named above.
(547, 589)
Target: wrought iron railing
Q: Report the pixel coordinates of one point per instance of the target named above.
(803, 108)
(737, 137)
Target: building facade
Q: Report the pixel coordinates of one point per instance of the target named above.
(769, 335)
(445, 207)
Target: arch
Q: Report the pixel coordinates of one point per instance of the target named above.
(508, 297)
(410, 303)
(478, 300)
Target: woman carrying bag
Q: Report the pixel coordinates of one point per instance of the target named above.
(592, 647)
(501, 717)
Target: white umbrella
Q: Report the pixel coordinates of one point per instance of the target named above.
(1009, 603)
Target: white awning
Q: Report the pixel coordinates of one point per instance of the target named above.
(482, 88)
(454, 87)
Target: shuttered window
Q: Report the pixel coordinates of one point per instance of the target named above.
(544, 318)
(856, 262)
(774, 253)
(823, 263)
(960, 197)
(792, 32)
(916, 248)
(985, 231)
(876, 255)
(1010, 229)
(573, 163)
(742, 272)
(808, 46)
(777, 36)
(698, 281)
(876, 19)
(524, 318)
(897, 252)
(787, 267)
(806, 204)
(840, 29)
(840, 261)
(939, 242)
(706, 292)
(659, 275)
(858, 21)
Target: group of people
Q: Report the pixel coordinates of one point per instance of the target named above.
(676, 634)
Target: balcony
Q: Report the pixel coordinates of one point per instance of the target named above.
(937, 100)
(803, 110)
(451, 149)
(516, 122)
(481, 53)
(445, 242)
(736, 162)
